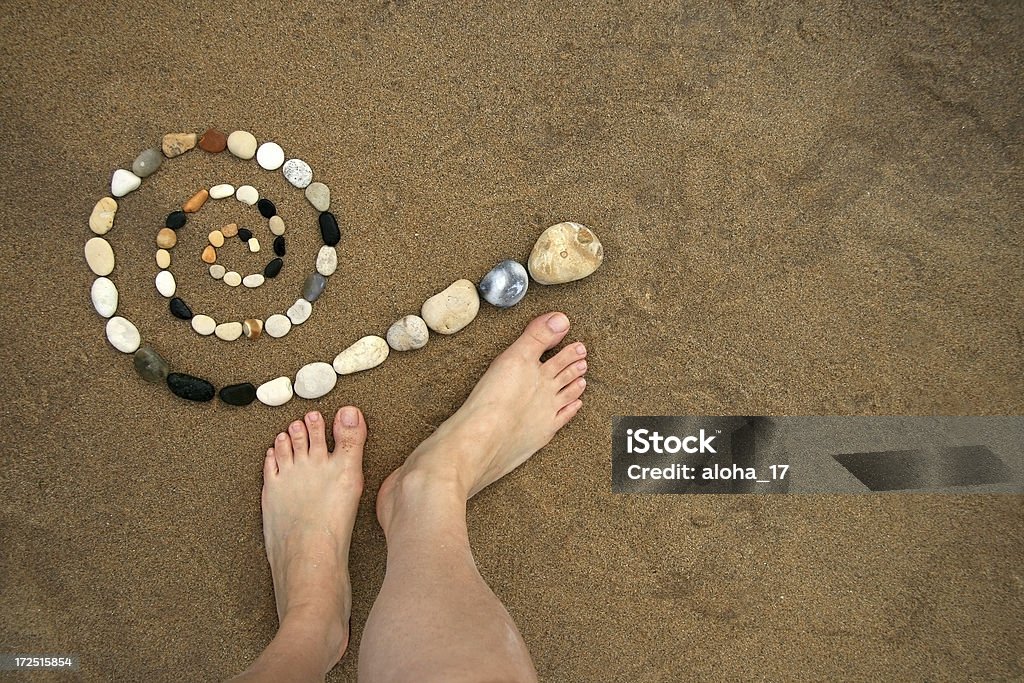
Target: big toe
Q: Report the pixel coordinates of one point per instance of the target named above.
(349, 433)
(542, 333)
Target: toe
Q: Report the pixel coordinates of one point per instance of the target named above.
(572, 391)
(567, 413)
(564, 359)
(300, 439)
(269, 464)
(349, 434)
(317, 437)
(283, 450)
(541, 334)
(570, 373)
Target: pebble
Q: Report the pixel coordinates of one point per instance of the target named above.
(273, 268)
(254, 244)
(166, 238)
(327, 261)
(176, 144)
(176, 220)
(100, 256)
(217, 271)
(505, 284)
(319, 195)
(222, 191)
(229, 230)
(298, 173)
(180, 309)
(315, 380)
(247, 194)
(228, 331)
(147, 162)
(313, 287)
(368, 352)
(163, 258)
(213, 141)
(565, 252)
(252, 327)
(279, 246)
(276, 225)
(196, 201)
(101, 220)
(123, 335)
(244, 234)
(408, 333)
(104, 296)
(150, 365)
(209, 254)
(238, 394)
(299, 311)
(242, 144)
(190, 388)
(277, 325)
(232, 279)
(123, 182)
(270, 156)
(253, 281)
(266, 208)
(276, 392)
(450, 310)
(329, 230)
(216, 238)
(165, 283)
(204, 324)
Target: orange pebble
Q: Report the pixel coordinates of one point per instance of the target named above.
(196, 202)
(209, 254)
(229, 230)
(166, 238)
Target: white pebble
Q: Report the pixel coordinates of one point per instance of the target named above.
(368, 352)
(232, 279)
(327, 260)
(277, 325)
(217, 271)
(254, 244)
(298, 173)
(276, 224)
(453, 308)
(315, 380)
(104, 296)
(123, 335)
(204, 324)
(300, 311)
(270, 156)
(221, 191)
(253, 281)
(100, 256)
(408, 334)
(165, 283)
(247, 194)
(163, 258)
(242, 144)
(228, 331)
(123, 182)
(276, 392)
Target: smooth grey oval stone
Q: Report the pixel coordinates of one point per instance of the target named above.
(150, 365)
(147, 162)
(313, 287)
(505, 284)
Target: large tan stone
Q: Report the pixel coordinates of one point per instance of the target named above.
(565, 252)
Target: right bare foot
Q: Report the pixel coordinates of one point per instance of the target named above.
(514, 410)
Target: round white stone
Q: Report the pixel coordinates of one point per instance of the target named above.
(123, 335)
(221, 191)
(247, 194)
(299, 311)
(277, 325)
(100, 256)
(254, 244)
(232, 279)
(408, 334)
(242, 144)
(298, 173)
(204, 324)
(368, 352)
(228, 331)
(270, 156)
(253, 281)
(217, 271)
(276, 392)
(104, 296)
(165, 283)
(123, 182)
(315, 380)
(327, 260)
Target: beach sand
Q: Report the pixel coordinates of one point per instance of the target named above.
(806, 208)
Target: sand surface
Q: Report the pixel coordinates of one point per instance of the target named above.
(807, 208)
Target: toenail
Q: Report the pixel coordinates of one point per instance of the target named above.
(295, 428)
(349, 416)
(313, 417)
(581, 349)
(582, 382)
(582, 365)
(281, 437)
(558, 323)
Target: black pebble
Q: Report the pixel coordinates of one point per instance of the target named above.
(190, 388)
(180, 309)
(266, 208)
(279, 245)
(329, 229)
(175, 220)
(273, 268)
(244, 234)
(238, 394)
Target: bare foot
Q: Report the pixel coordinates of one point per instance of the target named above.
(514, 410)
(310, 497)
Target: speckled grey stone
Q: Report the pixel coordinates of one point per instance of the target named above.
(505, 285)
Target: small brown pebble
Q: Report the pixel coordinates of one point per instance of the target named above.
(252, 328)
(217, 238)
(209, 254)
(213, 141)
(176, 144)
(229, 230)
(196, 201)
(166, 238)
